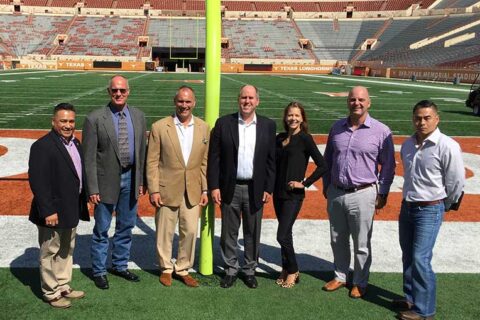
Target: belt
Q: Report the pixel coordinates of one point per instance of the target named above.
(127, 168)
(354, 189)
(423, 203)
(243, 182)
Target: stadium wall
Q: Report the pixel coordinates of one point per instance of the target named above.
(443, 75)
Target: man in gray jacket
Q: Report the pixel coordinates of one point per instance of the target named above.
(114, 139)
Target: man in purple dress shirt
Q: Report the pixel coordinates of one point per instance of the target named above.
(361, 166)
(55, 174)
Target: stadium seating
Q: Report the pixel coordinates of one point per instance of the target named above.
(167, 4)
(39, 3)
(261, 39)
(269, 6)
(444, 4)
(63, 3)
(95, 36)
(343, 43)
(195, 5)
(238, 6)
(27, 34)
(393, 46)
(177, 33)
(303, 6)
(130, 4)
(98, 3)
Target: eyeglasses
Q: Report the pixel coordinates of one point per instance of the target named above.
(122, 90)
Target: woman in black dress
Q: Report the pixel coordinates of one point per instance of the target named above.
(294, 147)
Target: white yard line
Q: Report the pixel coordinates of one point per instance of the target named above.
(19, 246)
(387, 83)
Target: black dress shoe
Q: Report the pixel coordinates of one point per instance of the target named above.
(125, 274)
(101, 282)
(228, 281)
(251, 282)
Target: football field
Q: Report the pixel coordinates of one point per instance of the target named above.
(27, 99)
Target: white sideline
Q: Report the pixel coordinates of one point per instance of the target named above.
(456, 250)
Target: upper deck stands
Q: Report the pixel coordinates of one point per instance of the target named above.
(26, 34)
(63, 3)
(177, 33)
(98, 3)
(238, 6)
(175, 5)
(303, 6)
(275, 39)
(130, 4)
(269, 6)
(95, 36)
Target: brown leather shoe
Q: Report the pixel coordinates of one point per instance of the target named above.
(333, 285)
(357, 292)
(188, 280)
(402, 304)
(411, 315)
(60, 302)
(166, 279)
(73, 294)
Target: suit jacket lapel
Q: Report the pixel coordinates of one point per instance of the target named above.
(63, 152)
(198, 139)
(172, 134)
(258, 136)
(234, 129)
(136, 130)
(110, 129)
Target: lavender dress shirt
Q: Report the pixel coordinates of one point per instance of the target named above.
(359, 157)
(73, 152)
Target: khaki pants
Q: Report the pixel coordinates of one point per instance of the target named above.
(351, 215)
(56, 260)
(166, 219)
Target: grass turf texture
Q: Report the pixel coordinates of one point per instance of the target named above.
(148, 299)
(28, 98)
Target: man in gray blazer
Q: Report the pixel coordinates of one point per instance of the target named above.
(114, 139)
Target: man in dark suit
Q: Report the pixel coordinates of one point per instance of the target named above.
(59, 202)
(241, 174)
(114, 140)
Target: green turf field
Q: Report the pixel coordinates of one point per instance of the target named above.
(148, 299)
(27, 97)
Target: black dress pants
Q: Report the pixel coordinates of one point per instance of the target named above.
(287, 211)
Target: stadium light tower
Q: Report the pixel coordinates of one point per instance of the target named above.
(212, 107)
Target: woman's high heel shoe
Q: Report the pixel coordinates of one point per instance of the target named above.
(291, 280)
(281, 279)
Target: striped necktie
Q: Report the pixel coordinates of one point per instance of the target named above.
(123, 146)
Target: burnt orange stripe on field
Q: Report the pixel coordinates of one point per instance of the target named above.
(16, 195)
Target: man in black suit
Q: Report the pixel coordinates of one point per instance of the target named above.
(59, 202)
(241, 176)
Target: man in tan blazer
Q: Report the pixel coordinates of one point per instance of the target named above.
(176, 175)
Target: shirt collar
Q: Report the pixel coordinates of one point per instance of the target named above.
(434, 137)
(241, 121)
(116, 112)
(65, 141)
(178, 123)
(367, 123)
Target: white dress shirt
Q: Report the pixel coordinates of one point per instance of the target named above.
(247, 137)
(185, 137)
(433, 170)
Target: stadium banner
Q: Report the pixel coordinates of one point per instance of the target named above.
(448, 75)
(99, 65)
(307, 68)
(74, 65)
(231, 67)
(277, 68)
